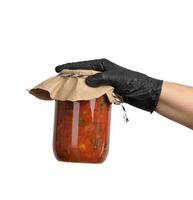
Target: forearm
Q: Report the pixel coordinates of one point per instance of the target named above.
(176, 103)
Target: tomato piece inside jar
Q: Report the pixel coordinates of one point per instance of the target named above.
(81, 130)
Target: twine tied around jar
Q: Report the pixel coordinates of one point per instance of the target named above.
(119, 99)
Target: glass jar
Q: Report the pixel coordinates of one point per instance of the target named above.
(81, 130)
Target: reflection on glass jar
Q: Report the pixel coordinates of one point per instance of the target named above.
(81, 131)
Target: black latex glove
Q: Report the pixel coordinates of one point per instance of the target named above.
(135, 88)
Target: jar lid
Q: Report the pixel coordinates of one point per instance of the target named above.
(70, 85)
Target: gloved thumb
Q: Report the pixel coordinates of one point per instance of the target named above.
(97, 80)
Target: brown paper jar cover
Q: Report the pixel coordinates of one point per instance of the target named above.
(82, 116)
(70, 85)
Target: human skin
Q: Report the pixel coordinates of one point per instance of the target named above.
(176, 103)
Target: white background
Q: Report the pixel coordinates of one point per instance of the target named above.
(150, 157)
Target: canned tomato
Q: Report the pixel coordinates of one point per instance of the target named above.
(81, 130)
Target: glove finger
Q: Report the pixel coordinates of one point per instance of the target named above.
(96, 64)
(97, 80)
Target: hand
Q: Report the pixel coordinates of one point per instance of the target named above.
(135, 88)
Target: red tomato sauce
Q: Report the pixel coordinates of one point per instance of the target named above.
(81, 130)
